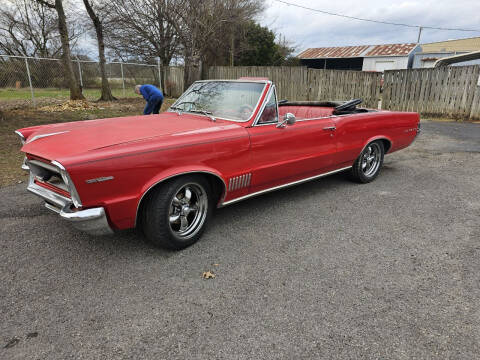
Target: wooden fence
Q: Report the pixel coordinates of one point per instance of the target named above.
(452, 91)
(172, 81)
(300, 83)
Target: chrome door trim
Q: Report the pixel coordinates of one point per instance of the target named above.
(282, 186)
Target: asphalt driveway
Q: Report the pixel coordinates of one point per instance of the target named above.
(328, 269)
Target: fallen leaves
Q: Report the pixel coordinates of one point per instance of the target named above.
(14, 341)
(208, 275)
(71, 105)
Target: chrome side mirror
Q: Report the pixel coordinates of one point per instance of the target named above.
(288, 119)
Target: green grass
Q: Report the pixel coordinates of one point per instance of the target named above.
(7, 94)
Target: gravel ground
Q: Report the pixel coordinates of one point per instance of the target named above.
(327, 269)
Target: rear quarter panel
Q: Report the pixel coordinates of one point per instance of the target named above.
(354, 132)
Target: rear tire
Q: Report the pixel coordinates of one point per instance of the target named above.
(177, 212)
(367, 166)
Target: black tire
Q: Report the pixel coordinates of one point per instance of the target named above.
(365, 170)
(168, 201)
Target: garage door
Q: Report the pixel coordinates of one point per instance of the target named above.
(384, 65)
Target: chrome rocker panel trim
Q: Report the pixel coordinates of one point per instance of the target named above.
(282, 186)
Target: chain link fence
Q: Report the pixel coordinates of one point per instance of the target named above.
(27, 77)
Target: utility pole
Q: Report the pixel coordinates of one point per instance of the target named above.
(419, 34)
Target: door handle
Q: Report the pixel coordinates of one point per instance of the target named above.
(331, 128)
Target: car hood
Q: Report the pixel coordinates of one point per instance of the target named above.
(60, 141)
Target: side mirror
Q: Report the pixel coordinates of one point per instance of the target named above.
(288, 119)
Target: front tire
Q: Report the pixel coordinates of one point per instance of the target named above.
(176, 214)
(367, 166)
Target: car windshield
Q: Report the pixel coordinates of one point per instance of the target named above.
(230, 100)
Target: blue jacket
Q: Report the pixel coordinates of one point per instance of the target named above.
(152, 95)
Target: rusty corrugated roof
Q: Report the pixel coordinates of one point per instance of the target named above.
(391, 50)
(333, 52)
(357, 51)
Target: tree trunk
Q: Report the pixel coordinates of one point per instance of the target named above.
(75, 90)
(106, 91)
(192, 70)
(186, 68)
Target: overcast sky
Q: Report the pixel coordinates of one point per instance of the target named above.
(306, 28)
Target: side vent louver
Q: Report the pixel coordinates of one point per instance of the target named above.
(239, 182)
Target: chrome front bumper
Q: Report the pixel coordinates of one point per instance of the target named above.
(93, 221)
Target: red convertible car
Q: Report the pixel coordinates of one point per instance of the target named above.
(221, 142)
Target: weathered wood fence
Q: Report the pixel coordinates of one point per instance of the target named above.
(452, 91)
(300, 83)
(172, 81)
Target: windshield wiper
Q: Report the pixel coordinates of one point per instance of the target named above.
(179, 109)
(199, 110)
(204, 112)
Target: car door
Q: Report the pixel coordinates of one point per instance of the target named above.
(280, 155)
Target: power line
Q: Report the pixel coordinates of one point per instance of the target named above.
(374, 21)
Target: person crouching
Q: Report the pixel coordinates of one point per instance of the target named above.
(152, 96)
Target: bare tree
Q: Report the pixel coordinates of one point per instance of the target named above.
(29, 28)
(206, 26)
(75, 90)
(97, 24)
(140, 29)
(201, 31)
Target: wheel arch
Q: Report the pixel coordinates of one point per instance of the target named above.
(215, 179)
(387, 143)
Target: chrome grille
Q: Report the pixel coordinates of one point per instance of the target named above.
(47, 173)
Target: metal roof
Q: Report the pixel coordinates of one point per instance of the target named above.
(333, 52)
(391, 50)
(358, 51)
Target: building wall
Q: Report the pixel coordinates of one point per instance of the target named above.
(419, 63)
(459, 45)
(382, 63)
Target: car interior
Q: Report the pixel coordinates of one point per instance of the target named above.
(315, 109)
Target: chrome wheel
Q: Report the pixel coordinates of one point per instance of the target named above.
(371, 159)
(188, 210)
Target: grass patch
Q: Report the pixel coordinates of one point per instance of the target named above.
(61, 94)
(11, 119)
